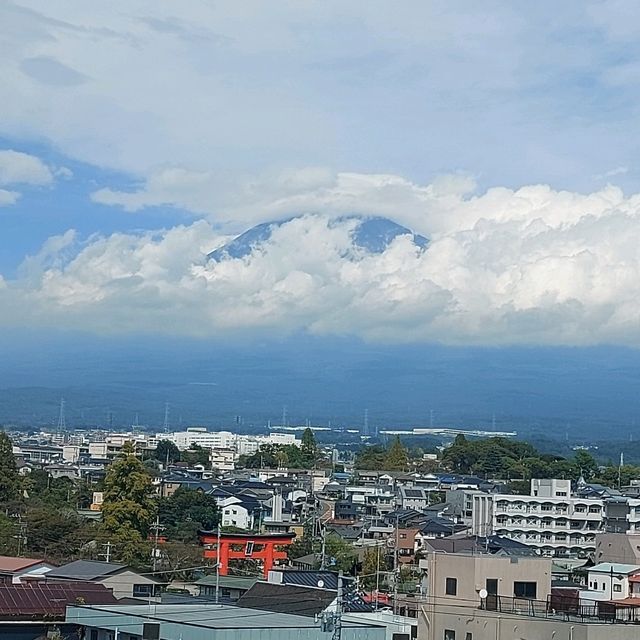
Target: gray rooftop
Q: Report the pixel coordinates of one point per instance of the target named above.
(85, 570)
(196, 621)
(228, 582)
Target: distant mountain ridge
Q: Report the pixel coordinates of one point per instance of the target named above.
(373, 234)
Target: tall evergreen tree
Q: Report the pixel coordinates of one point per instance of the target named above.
(9, 479)
(397, 458)
(128, 507)
(309, 447)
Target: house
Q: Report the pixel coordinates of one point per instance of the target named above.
(610, 581)
(413, 498)
(306, 593)
(19, 570)
(230, 588)
(238, 512)
(35, 610)
(122, 581)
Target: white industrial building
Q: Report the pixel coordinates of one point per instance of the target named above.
(241, 444)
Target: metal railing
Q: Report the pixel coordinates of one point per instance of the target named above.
(567, 608)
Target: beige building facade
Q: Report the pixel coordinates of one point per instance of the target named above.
(485, 597)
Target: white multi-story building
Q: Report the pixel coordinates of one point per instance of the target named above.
(549, 520)
(241, 444)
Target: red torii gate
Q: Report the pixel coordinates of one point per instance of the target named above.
(245, 546)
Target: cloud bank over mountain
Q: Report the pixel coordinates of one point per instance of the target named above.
(526, 266)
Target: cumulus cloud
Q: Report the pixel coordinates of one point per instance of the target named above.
(525, 266)
(8, 197)
(21, 168)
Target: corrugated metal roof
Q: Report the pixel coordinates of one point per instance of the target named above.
(27, 601)
(9, 563)
(210, 616)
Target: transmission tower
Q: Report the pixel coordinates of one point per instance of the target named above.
(62, 422)
(166, 418)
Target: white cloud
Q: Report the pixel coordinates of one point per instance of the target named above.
(234, 87)
(526, 266)
(21, 168)
(8, 197)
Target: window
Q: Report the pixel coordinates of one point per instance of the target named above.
(617, 588)
(468, 636)
(561, 493)
(142, 590)
(451, 587)
(449, 634)
(525, 590)
(492, 586)
(94, 634)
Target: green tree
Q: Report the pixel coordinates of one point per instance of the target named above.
(396, 459)
(282, 459)
(195, 455)
(586, 463)
(309, 448)
(167, 451)
(340, 554)
(185, 512)
(460, 456)
(375, 561)
(9, 479)
(128, 506)
(371, 458)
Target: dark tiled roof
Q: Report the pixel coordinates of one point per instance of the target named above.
(284, 598)
(352, 600)
(85, 570)
(50, 600)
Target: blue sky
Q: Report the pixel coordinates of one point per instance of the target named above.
(506, 132)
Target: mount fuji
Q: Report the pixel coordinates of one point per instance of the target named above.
(371, 234)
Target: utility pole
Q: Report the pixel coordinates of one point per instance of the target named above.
(156, 527)
(22, 535)
(324, 550)
(107, 554)
(396, 567)
(377, 576)
(218, 567)
(337, 623)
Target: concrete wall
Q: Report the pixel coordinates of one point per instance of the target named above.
(472, 571)
(617, 548)
(487, 625)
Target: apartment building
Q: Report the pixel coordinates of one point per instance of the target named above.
(549, 519)
(484, 597)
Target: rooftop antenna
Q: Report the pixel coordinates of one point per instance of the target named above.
(166, 417)
(365, 426)
(62, 422)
